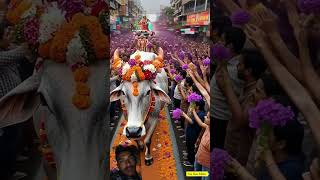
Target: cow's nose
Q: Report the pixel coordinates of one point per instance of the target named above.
(133, 132)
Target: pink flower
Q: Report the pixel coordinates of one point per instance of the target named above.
(176, 114)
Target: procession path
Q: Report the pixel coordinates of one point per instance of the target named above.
(166, 165)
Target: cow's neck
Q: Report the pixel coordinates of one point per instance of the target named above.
(82, 158)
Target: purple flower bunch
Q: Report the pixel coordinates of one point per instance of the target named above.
(269, 111)
(206, 62)
(178, 78)
(309, 6)
(240, 17)
(185, 67)
(132, 62)
(218, 162)
(220, 52)
(181, 55)
(172, 71)
(194, 97)
(71, 7)
(31, 30)
(176, 114)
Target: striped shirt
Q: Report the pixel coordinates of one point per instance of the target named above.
(9, 73)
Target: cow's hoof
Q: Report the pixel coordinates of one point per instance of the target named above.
(148, 162)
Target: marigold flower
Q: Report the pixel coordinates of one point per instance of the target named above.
(81, 74)
(81, 101)
(82, 88)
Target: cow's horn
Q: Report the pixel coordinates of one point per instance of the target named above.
(116, 54)
(160, 53)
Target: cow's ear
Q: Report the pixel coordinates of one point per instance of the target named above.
(163, 96)
(116, 94)
(20, 103)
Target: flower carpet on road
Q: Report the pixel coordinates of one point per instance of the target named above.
(164, 164)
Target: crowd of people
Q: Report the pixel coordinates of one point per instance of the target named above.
(265, 90)
(187, 65)
(16, 65)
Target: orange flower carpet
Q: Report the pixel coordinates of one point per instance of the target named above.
(164, 164)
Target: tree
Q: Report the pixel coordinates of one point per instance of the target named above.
(169, 11)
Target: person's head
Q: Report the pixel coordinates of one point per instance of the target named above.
(188, 82)
(251, 65)
(288, 138)
(267, 87)
(219, 24)
(200, 105)
(127, 160)
(183, 73)
(207, 118)
(234, 38)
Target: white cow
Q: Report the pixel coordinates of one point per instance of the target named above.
(78, 137)
(137, 107)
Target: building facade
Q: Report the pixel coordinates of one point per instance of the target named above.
(192, 16)
(123, 13)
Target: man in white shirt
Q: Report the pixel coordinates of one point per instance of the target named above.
(234, 38)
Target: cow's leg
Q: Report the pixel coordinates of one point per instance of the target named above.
(147, 141)
(140, 144)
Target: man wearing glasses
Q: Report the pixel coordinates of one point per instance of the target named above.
(127, 159)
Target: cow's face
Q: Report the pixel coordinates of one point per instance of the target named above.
(70, 131)
(137, 106)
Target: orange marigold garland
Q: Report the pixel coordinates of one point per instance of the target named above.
(137, 70)
(135, 89)
(45, 147)
(16, 10)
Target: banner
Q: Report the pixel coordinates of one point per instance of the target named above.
(199, 19)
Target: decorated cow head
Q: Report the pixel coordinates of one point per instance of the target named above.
(140, 91)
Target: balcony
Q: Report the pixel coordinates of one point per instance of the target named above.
(202, 7)
(186, 11)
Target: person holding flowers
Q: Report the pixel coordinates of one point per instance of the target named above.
(285, 101)
(239, 135)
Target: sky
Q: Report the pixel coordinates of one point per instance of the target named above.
(153, 6)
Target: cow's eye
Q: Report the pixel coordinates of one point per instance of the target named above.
(148, 93)
(122, 92)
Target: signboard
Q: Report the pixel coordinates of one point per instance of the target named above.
(188, 31)
(199, 19)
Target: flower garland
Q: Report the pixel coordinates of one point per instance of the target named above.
(50, 22)
(136, 70)
(46, 149)
(31, 30)
(17, 9)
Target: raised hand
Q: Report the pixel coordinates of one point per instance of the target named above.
(255, 34)
(268, 21)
